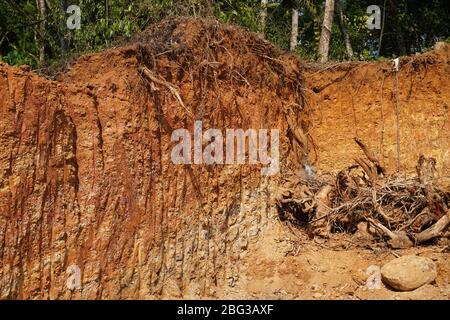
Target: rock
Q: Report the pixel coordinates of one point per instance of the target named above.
(408, 272)
(243, 244)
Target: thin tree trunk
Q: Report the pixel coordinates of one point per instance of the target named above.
(401, 42)
(345, 35)
(325, 36)
(294, 29)
(382, 29)
(42, 17)
(62, 27)
(263, 16)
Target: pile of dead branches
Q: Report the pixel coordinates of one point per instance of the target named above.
(405, 210)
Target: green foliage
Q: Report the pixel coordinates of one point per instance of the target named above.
(278, 27)
(97, 29)
(16, 36)
(410, 26)
(245, 13)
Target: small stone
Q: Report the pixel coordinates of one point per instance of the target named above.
(243, 244)
(317, 295)
(253, 232)
(409, 272)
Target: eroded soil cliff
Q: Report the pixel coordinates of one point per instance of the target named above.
(86, 177)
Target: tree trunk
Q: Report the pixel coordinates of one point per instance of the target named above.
(401, 42)
(382, 29)
(345, 35)
(263, 16)
(294, 29)
(325, 36)
(62, 27)
(42, 17)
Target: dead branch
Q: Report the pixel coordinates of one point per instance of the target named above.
(398, 240)
(368, 169)
(321, 226)
(371, 156)
(426, 169)
(378, 208)
(435, 230)
(398, 206)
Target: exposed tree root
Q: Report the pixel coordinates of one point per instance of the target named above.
(404, 210)
(145, 71)
(435, 230)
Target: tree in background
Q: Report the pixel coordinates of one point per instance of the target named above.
(343, 29)
(263, 16)
(41, 31)
(325, 36)
(294, 29)
(34, 32)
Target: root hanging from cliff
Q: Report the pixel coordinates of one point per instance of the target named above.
(213, 58)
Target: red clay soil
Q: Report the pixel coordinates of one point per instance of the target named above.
(86, 177)
(358, 99)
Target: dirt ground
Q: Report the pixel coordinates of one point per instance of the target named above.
(289, 268)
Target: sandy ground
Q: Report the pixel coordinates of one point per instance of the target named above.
(288, 265)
